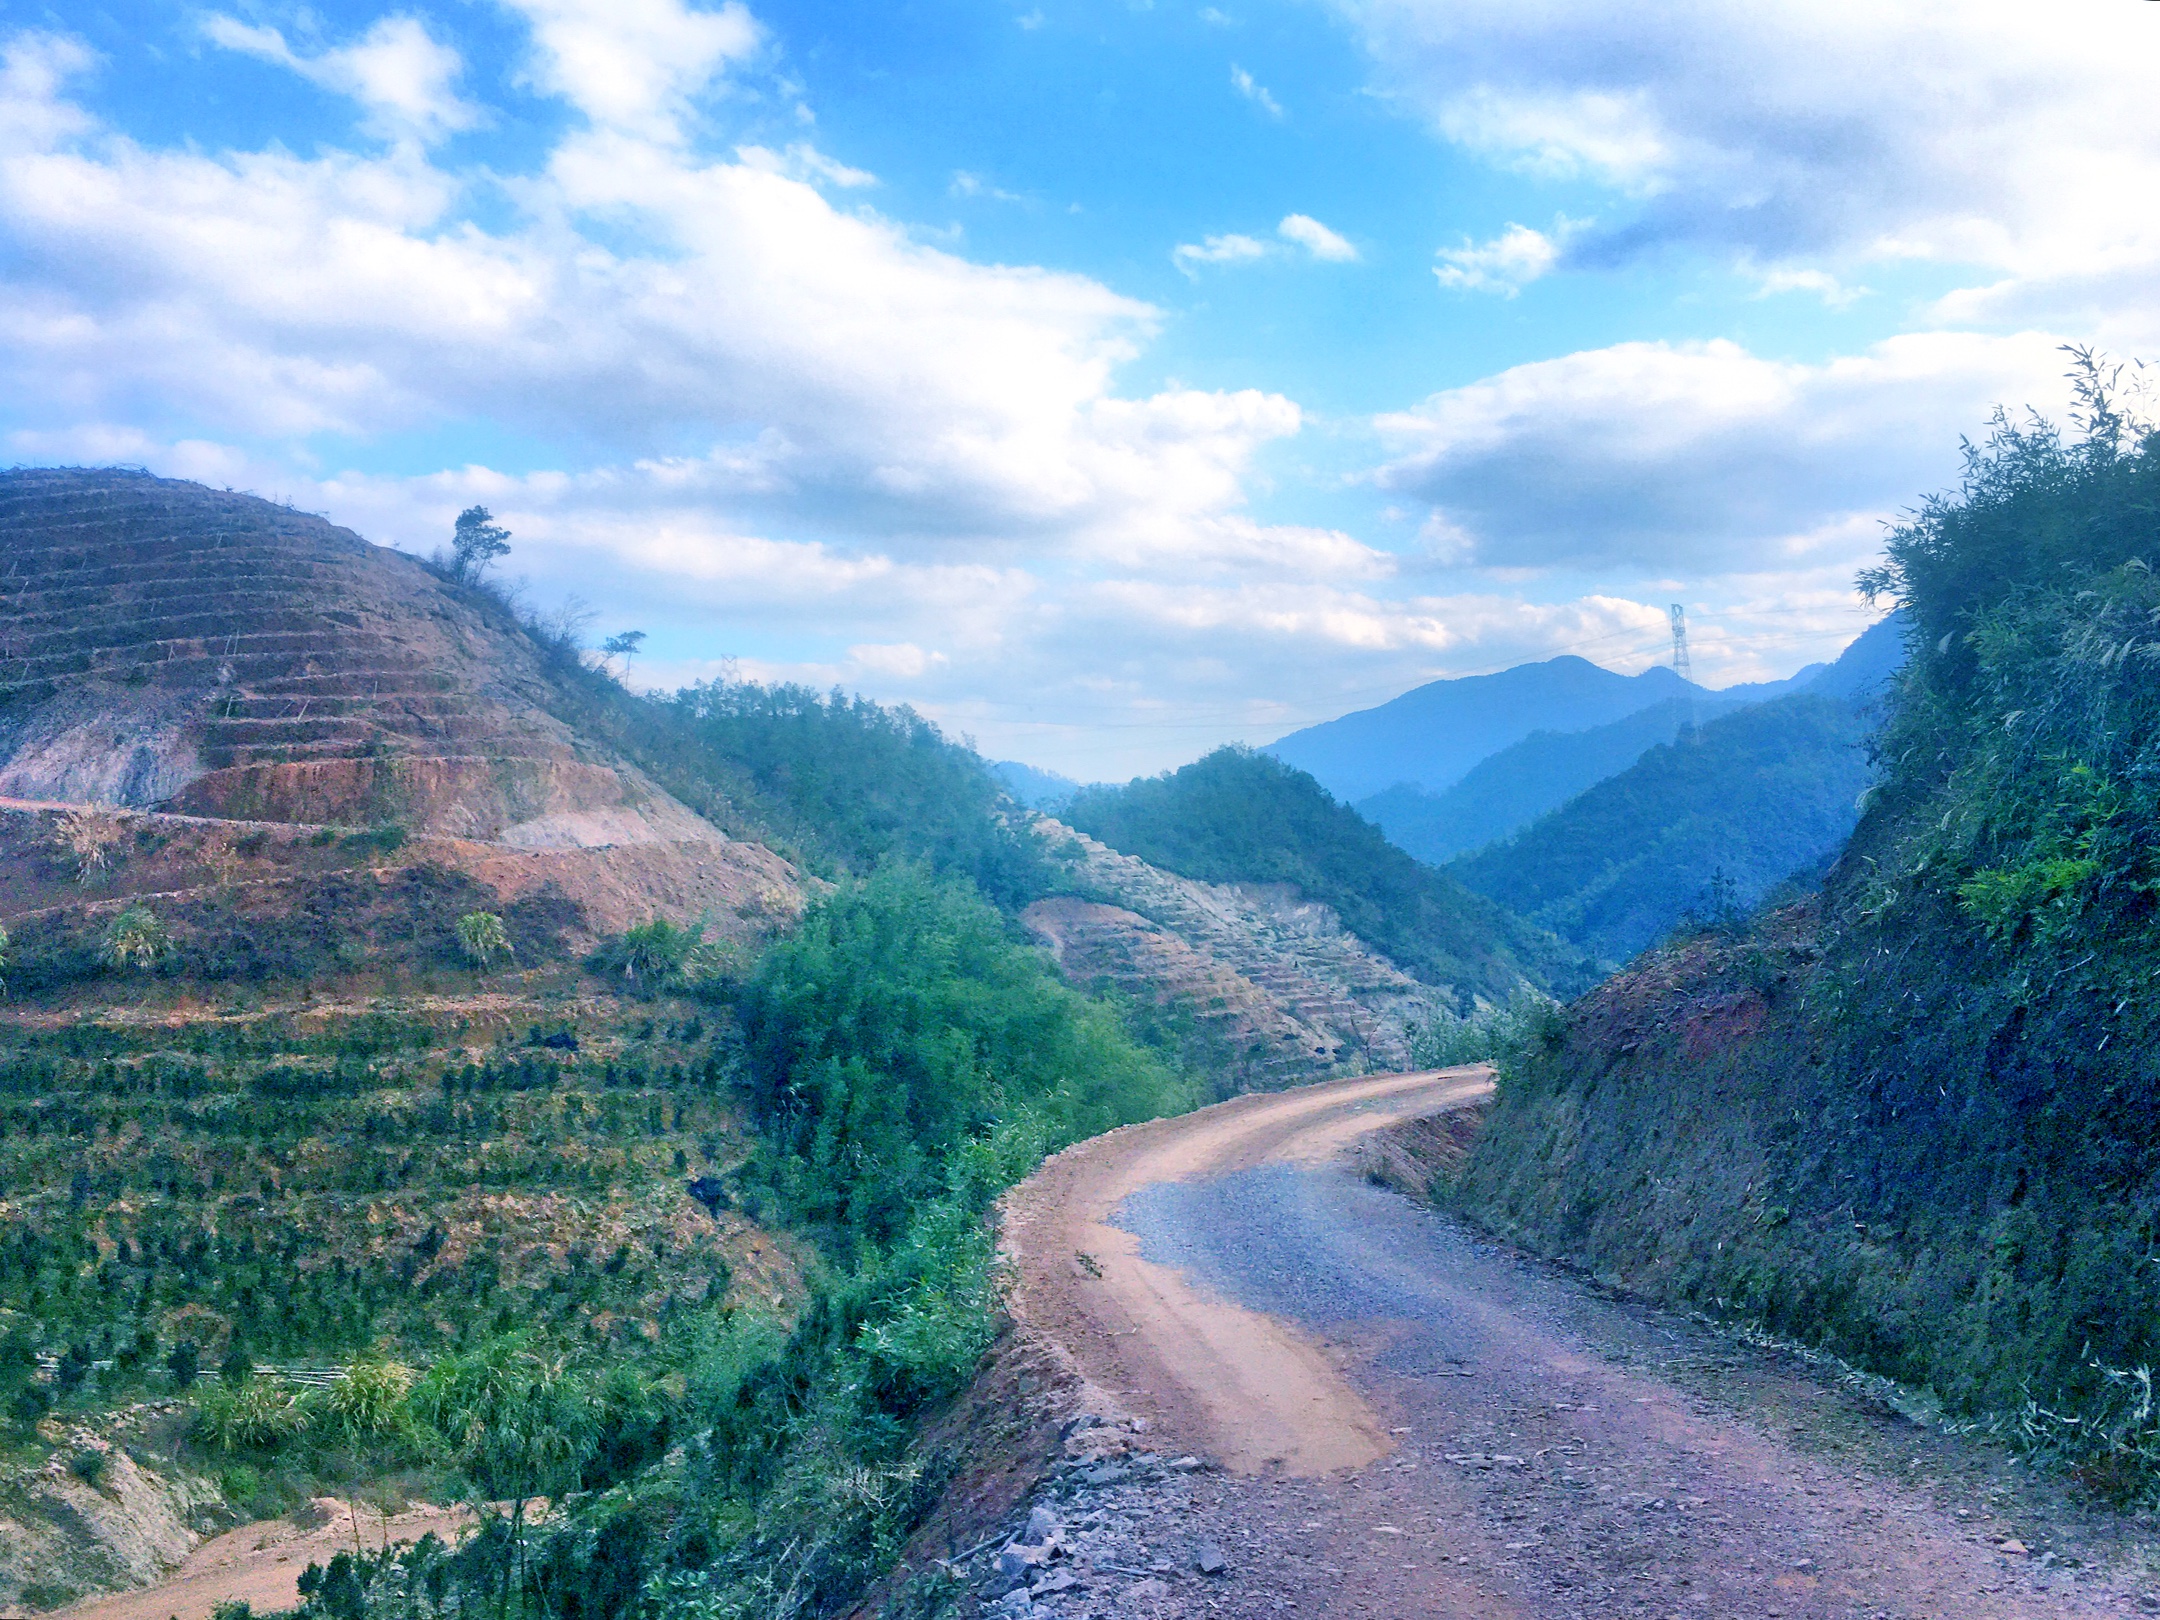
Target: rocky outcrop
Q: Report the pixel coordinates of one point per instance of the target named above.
(92, 1519)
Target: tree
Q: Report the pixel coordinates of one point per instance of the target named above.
(624, 646)
(518, 1423)
(482, 937)
(184, 1362)
(478, 541)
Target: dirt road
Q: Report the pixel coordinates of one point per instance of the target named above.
(260, 1564)
(1408, 1420)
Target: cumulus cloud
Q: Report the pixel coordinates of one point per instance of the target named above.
(1505, 265)
(397, 70)
(1996, 133)
(636, 66)
(1316, 239)
(852, 380)
(1702, 458)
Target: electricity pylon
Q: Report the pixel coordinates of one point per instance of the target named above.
(1681, 668)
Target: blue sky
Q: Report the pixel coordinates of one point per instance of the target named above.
(1107, 380)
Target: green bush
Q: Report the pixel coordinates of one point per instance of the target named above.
(904, 1020)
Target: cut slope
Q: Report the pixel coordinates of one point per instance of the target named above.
(166, 645)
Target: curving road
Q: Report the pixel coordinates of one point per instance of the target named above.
(1410, 1420)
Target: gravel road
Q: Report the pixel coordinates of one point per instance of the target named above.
(1450, 1429)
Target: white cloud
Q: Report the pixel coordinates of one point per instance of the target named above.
(396, 70)
(802, 161)
(1821, 283)
(1230, 249)
(1254, 91)
(1317, 239)
(860, 383)
(636, 66)
(1505, 265)
(1302, 230)
(1701, 458)
(1807, 133)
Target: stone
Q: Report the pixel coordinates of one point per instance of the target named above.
(1185, 1465)
(1058, 1580)
(1041, 1526)
(1208, 1559)
(2014, 1547)
(1107, 1474)
(1150, 1590)
(1017, 1561)
(1014, 1605)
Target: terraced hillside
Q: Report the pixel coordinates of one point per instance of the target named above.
(1286, 993)
(317, 1185)
(166, 645)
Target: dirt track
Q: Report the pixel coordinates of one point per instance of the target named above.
(1252, 1391)
(261, 1564)
(1410, 1420)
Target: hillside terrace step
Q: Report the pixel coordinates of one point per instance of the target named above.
(255, 705)
(313, 646)
(143, 562)
(25, 601)
(201, 624)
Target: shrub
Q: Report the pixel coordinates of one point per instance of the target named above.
(367, 1406)
(255, 1416)
(135, 939)
(89, 1465)
(482, 938)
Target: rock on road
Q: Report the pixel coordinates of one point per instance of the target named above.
(1399, 1418)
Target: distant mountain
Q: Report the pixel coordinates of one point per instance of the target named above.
(1431, 737)
(1512, 788)
(1758, 795)
(1509, 790)
(1243, 817)
(1036, 788)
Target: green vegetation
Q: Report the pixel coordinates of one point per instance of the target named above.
(1506, 791)
(1243, 817)
(1920, 1132)
(1751, 799)
(843, 784)
(499, 1250)
(903, 1020)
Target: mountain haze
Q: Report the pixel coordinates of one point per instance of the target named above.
(1432, 736)
(1508, 790)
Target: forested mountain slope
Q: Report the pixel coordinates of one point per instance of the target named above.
(1709, 822)
(1913, 1124)
(1431, 736)
(1243, 817)
(1506, 791)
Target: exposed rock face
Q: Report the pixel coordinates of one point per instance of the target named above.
(1294, 994)
(62, 1535)
(167, 646)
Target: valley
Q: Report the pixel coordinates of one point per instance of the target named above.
(722, 1154)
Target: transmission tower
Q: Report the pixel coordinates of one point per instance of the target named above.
(1681, 668)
